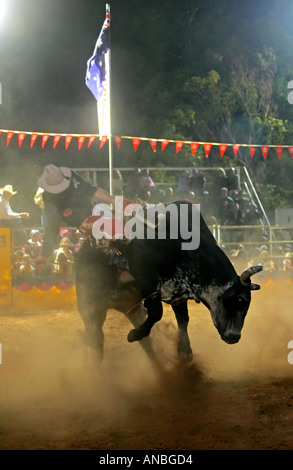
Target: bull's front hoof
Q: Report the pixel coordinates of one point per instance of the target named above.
(134, 335)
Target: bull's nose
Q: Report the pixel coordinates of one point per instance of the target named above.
(231, 338)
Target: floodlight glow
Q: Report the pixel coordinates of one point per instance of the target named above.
(2, 9)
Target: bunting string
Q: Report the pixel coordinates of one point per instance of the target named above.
(81, 138)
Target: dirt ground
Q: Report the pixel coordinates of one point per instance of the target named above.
(53, 394)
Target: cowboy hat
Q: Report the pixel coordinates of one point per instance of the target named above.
(55, 179)
(8, 189)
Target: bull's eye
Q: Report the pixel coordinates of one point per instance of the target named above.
(241, 302)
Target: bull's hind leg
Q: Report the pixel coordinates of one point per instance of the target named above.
(93, 315)
(184, 349)
(154, 314)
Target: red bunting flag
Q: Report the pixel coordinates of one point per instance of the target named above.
(236, 148)
(117, 140)
(103, 140)
(136, 143)
(68, 139)
(279, 151)
(56, 139)
(207, 149)
(33, 139)
(21, 137)
(223, 149)
(164, 144)
(9, 137)
(154, 144)
(291, 151)
(81, 139)
(252, 150)
(193, 147)
(45, 137)
(91, 140)
(179, 146)
(265, 152)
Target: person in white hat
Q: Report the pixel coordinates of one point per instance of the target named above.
(68, 200)
(9, 218)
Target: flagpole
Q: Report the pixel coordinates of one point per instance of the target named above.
(109, 127)
(98, 80)
(108, 60)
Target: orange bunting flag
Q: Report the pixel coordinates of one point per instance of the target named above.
(81, 139)
(193, 147)
(179, 146)
(207, 149)
(154, 144)
(21, 137)
(45, 137)
(223, 149)
(91, 140)
(136, 143)
(56, 140)
(9, 137)
(252, 150)
(291, 151)
(68, 139)
(164, 144)
(117, 140)
(265, 152)
(279, 151)
(33, 139)
(103, 140)
(236, 148)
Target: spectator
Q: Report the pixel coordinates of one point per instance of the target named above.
(233, 183)
(242, 200)
(11, 219)
(288, 262)
(145, 181)
(87, 176)
(183, 185)
(224, 205)
(221, 181)
(147, 185)
(132, 189)
(34, 244)
(197, 182)
(17, 259)
(169, 194)
(26, 268)
(63, 259)
(118, 183)
(235, 216)
(252, 216)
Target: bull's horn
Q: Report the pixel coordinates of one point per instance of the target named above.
(254, 286)
(247, 273)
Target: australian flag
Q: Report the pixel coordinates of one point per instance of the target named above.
(95, 74)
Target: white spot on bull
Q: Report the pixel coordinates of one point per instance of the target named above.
(178, 288)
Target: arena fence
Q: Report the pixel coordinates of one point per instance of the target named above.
(48, 290)
(168, 177)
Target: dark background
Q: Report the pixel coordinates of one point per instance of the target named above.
(192, 70)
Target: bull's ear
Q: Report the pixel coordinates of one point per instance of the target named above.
(254, 286)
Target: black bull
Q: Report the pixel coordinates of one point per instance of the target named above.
(163, 272)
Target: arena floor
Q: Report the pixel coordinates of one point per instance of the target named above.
(54, 396)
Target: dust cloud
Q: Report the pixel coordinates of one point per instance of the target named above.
(54, 394)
